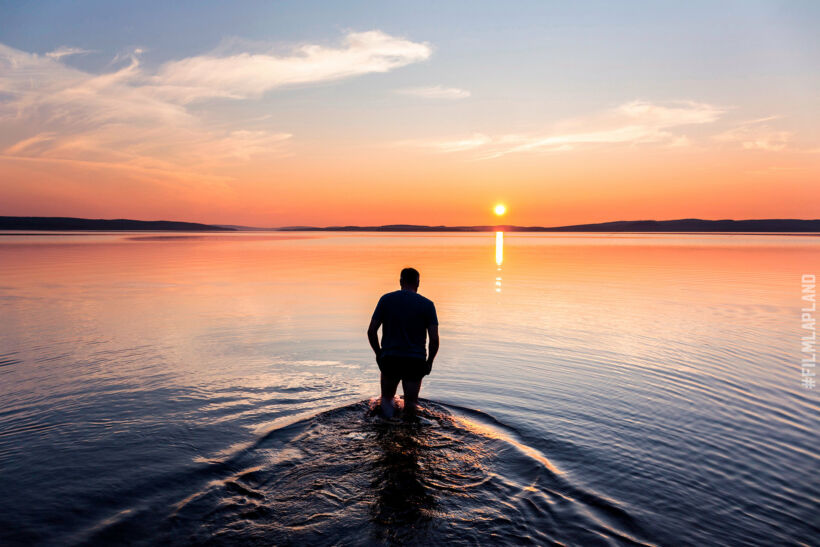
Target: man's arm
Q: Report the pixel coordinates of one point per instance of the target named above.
(373, 336)
(432, 332)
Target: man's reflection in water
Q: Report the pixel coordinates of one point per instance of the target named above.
(403, 506)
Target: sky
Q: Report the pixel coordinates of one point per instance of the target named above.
(333, 113)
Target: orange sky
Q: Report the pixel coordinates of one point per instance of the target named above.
(391, 186)
(410, 124)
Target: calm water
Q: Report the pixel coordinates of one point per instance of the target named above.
(623, 389)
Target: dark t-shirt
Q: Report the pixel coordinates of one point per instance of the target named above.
(404, 317)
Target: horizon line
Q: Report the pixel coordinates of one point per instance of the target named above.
(16, 223)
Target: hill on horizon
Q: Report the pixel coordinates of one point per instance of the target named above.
(680, 225)
(114, 225)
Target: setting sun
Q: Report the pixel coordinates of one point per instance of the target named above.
(500, 209)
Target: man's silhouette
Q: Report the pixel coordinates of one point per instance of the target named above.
(406, 319)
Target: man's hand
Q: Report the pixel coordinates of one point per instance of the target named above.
(432, 332)
(373, 338)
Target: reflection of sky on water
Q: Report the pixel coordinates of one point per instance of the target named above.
(633, 362)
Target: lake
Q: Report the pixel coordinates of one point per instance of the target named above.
(611, 389)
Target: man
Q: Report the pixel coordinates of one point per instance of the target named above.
(406, 318)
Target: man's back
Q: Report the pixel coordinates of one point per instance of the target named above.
(405, 317)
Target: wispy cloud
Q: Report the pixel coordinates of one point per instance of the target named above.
(637, 122)
(135, 117)
(251, 74)
(435, 92)
(457, 144)
(65, 51)
(757, 135)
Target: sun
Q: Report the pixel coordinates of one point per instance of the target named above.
(500, 209)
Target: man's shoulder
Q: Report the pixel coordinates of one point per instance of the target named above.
(425, 300)
(390, 295)
(389, 299)
(405, 296)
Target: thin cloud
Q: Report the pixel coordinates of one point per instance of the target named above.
(757, 135)
(251, 74)
(469, 142)
(140, 119)
(28, 145)
(65, 51)
(435, 92)
(636, 122)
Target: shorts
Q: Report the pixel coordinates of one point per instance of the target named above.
(407, 368)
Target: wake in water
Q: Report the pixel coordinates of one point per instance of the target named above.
(347, 476)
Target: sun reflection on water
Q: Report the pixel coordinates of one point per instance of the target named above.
(499, 258)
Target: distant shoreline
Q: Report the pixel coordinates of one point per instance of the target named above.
(102, 225)
(636, 226)
(690, 225)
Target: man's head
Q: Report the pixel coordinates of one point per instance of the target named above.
(409, 279)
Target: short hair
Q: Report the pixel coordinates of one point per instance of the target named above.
(409, 276)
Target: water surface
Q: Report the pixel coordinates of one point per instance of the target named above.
(590, 389)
